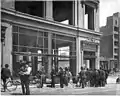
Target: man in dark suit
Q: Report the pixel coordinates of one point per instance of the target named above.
(82, 76)
(61, 75)
(53, 74)
(5, 74)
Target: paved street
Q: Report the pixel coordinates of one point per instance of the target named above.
(110, 89)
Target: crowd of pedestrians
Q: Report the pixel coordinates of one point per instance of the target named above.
(86, 77)
(64, 75)
(92, 77)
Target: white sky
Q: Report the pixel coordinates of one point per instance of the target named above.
(107, 8)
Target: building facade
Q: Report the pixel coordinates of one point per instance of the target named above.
(110, 41)
(34, 33)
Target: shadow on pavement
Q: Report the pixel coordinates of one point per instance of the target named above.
(16, 94)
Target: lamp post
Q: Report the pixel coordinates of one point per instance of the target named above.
(3, 28)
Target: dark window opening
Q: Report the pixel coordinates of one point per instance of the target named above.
(89, 12)
(116, 43)
(63, 11)
(116, 50)
(116, 36)
(116, 57)
(116, 28)
(115, 22)
(35, 8)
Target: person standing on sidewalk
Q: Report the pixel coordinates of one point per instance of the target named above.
(82, 75)
(25, 72)
(53, 74)
(102, 77)
(5, 74)
(61, 75)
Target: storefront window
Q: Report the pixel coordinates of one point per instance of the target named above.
(64, 51)
(40, 42)
(15, 29)
(15, 38)
(15, 48)
(25, 40)
(27, 31)
(33, 46)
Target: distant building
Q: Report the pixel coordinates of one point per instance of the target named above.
(110, 41)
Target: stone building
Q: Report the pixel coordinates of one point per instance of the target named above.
(110, 41)
(34, 32)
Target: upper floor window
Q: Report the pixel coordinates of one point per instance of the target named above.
(30, 7)
(115, 22)
(116, 28)
(116, 43)
(116, 50)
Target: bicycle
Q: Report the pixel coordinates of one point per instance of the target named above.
(11, 85)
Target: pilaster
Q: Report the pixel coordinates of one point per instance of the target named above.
(97, 64)
(75, 13)
(81, 13)
(97, 19)
(49, 52)
(49, 10)
(7, 48)
(79, 55)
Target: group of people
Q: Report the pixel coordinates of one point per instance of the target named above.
(24, 73)
(64, 74)
(92, 77)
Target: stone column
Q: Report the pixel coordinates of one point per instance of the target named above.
(79, 54)
(56, 59)
(97, 19)
(49, 16)
(49, 52)
(7, 48)
(88, 64)
(3, 31)
(75, 13)
(82, 59)
(73, 59)
(97, 64)
(95, 10)
(49, 10)
(81, 13)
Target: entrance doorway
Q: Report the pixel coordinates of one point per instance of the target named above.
(89, 59)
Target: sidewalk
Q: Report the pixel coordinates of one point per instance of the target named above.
(112, 78)
(47, 90)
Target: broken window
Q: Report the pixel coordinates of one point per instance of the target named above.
(63, 11)
(35, 8)
(89, 17)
